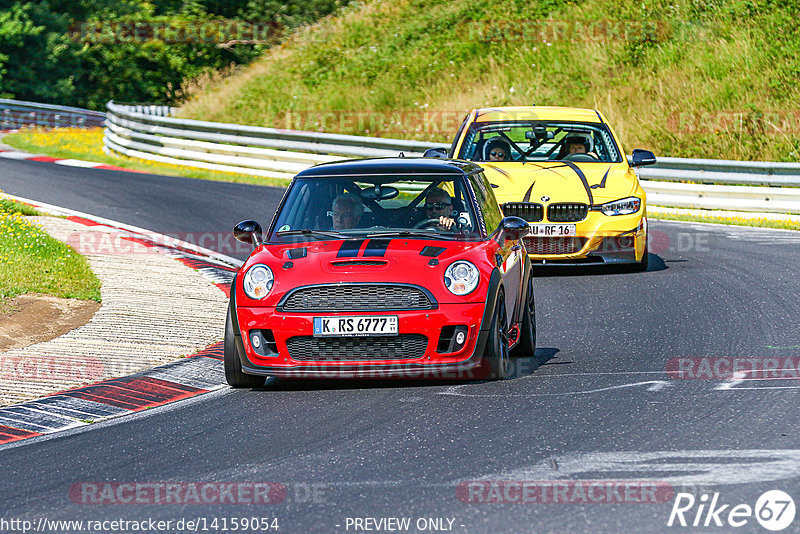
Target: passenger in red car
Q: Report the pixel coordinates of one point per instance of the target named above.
(346, 212)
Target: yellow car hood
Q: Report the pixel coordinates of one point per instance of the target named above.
(561, 181)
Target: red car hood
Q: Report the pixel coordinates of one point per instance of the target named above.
(387, 260)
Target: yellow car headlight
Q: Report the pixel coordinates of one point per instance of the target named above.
(624, 206)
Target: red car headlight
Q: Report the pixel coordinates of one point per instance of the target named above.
(258, 281)
(461, 277)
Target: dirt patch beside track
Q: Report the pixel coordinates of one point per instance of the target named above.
(34, 318)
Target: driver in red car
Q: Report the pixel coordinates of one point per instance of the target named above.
(439, 204)
(346, 211)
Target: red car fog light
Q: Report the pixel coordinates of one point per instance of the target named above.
(263, 342)
(452, 339)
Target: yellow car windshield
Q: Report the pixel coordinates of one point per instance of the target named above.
(520, 141)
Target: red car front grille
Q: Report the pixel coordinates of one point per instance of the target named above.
(356, 297)
(339, 349)
(553, 245)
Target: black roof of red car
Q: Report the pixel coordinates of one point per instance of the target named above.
(392, 166)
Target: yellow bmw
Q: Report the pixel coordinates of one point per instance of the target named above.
(564, 171)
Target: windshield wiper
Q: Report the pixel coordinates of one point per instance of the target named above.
(412, 233)
(306, 231)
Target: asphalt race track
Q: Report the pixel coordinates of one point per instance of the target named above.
(596, 402)
(181, 207)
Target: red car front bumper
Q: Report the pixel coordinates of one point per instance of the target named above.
(290, 350)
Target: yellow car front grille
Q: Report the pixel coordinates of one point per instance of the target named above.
(545, 246)
(567, 212)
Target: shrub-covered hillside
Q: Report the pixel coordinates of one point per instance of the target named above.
(84, 53)
(699, 78)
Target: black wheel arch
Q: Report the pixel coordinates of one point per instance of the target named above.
(495, 285)
(519, 308)
(237, 332)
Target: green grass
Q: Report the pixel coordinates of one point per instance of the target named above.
(87, 144)
(32, 261)
(671, 75)
(11, 206)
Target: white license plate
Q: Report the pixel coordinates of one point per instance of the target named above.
(361, 325)
(553, 230)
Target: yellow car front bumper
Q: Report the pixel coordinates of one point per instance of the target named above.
(599, 238)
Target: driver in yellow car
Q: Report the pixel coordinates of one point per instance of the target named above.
(576, 144)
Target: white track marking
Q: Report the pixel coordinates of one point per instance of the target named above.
(728, 384)
(732, 384)
(600, 373)
(13, 154)
(704, 467)
(77, 163)
(654, 385)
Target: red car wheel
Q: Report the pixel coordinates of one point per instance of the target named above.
(497, 353)
(233, 365)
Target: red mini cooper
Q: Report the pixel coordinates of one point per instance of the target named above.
(400, 267)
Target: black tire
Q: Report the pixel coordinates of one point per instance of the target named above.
(526, 346)
(233, 365)
(496, 353)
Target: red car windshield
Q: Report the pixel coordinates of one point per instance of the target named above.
(316, 207)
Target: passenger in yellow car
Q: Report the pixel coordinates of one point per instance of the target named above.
(497, 150)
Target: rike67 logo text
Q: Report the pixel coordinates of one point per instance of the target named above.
(774, 510)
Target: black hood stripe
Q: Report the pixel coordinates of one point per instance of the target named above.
(583, 180)
(527, 197)
(496, 169)
(602, 183)
(376, 248)
(350, 248)
(542, 167)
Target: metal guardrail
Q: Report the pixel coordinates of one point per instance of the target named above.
(271, 152)
(722, 197)
(721, 171)
(15, 114)
(149, 132)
